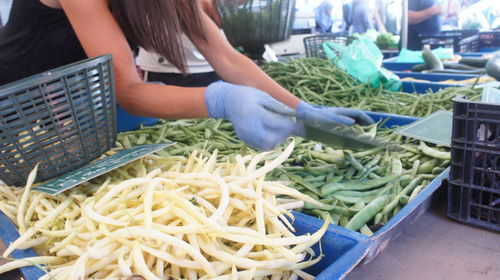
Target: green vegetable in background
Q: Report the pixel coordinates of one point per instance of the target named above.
(320, 82)
(432, 61)
(386, 41)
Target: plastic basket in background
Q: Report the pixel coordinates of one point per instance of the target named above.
(251, 24)
(474, 183)
(313, 44)
(61, 119)
(460, 40)
(489, 39)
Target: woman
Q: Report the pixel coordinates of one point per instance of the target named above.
(43, 34)
(323, 16)
(362, 16)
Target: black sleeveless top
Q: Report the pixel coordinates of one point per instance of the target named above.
(36, 38)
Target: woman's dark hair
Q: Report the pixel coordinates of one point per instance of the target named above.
(157, 25)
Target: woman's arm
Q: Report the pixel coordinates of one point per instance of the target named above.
(236, 68)
(378, 19)
(99, 34)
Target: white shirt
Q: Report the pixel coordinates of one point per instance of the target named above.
(195, 61)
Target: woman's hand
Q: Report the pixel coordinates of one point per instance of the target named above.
(328, 117)
(259, 120)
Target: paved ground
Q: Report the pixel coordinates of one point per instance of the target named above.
(437, 248)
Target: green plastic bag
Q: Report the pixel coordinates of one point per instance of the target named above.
(409, 56)
(362, 59)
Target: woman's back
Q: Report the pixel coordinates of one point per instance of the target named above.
(36, 38)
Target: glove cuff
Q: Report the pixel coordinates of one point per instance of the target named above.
(214, 99)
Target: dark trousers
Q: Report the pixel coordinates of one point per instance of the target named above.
(188, 80)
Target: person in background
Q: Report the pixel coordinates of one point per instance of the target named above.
(323, 16)
(378, 16)
(346, 15)
(450, 18)
(44, 34)
(423, 19)
(362, 16)
(480, 15)
(393, 14)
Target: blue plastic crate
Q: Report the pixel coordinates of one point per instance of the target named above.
(404, 218)
(411, 211)
(393, 64)
(392, 120)
(343, 249)
(128, 122)
(8, 234)
(434, 77)
(489, 49)
(423, 87)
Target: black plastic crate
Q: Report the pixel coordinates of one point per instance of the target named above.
(474, 183)
(251, 24)
(489, 39)
(460, 41)
(463, 32)
(61, 119)
(313, 44)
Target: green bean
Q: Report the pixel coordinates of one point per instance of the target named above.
(331, 158)
(315, 179)
(363, 193)
(434, 153)
(367, 213)
(415, 168)
(302, 182)
(353, 199)
(404, 199)
(378, 218)
(427, 166)
(397, 167)
(389, 207)
(350, 173)
(341, 90)
(415, 192)
(366, 230)
(405, 180)
(343, 221)
(343, 181)
(356, 186)
(437, 170)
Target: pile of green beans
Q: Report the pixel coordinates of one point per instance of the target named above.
(189, 135)
(360, 190)
(318, 81)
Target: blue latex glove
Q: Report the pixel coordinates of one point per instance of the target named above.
(328, 117)
(259, 120)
